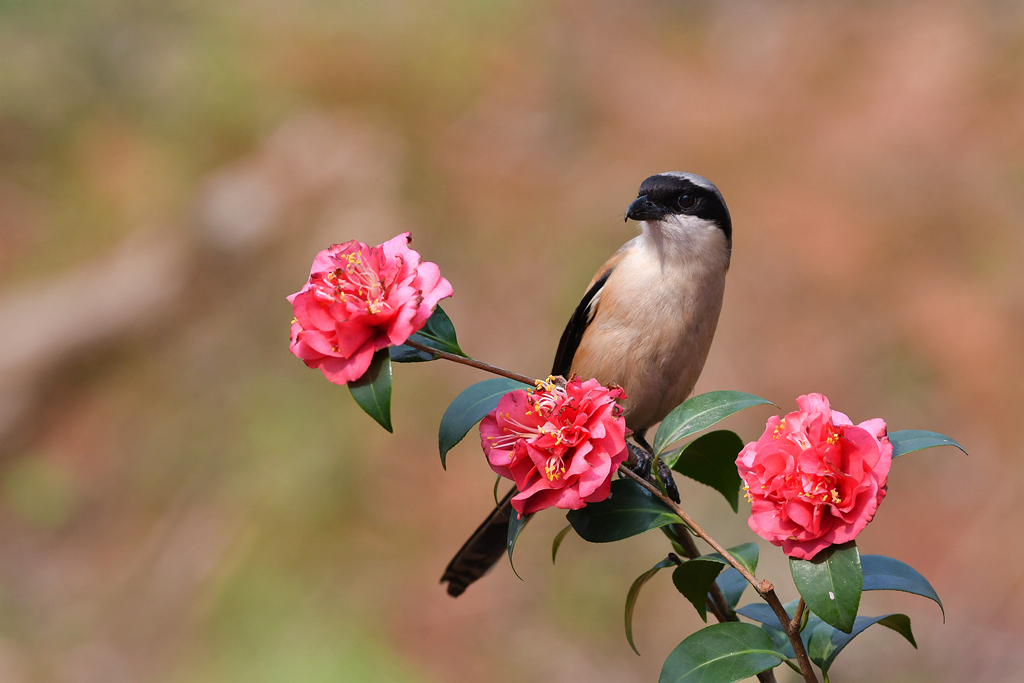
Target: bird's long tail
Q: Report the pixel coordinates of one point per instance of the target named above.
(483, 549)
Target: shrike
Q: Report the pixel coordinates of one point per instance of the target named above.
(646, 324)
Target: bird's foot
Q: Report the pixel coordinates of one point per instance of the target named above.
(665, 474)
(640, 462)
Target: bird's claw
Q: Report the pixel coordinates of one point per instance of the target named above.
(665, 474)
(640, 462)
(643, 459)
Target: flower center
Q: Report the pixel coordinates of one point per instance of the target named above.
(550, 414)
(554, 468)
(820, 489)
(355, 283)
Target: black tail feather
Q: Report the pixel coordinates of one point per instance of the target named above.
(483, 549)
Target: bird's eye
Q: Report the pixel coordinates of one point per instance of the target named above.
(686, 201)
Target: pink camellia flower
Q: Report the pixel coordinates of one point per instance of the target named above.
(360, 299)
(814, 478)
(559, 444)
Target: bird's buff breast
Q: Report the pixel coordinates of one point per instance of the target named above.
(652, 331)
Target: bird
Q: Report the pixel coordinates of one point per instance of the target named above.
(645, 324)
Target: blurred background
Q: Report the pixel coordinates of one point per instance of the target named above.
(181, 500)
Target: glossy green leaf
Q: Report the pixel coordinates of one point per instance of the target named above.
(761, 612)
(721, 653)
(634, 592)
(883, 573)
(831, 584)
(700, 412)
(693, 579)
(746, 554)
(468, 408)
(732, 584)
(372, 391)
(826, 643)
(557, 543)
(711, 460)
(910, 440)
(516, 522)
(438, 333)
(628, 511)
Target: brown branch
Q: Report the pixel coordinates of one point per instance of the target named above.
(792, 629)
(764, 588)
(471, 362)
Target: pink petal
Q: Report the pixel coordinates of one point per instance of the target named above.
(345, 370)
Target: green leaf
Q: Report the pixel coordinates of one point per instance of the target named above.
(746, 554)
(634, 592)
(372, 391)
(910, 440)
(732, 584)
(883, 573)
(516, 522)
(468, 408)
(771, 625)
(628, 511)
(762, 613)
(557, 543)
(700, 412)
(693, 579)
(711, 460)
(438, 333)
(826, 643)
(721, 653)
(831, 584)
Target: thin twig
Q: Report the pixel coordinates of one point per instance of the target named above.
(795, 623)
(471, 362)
(764, 588)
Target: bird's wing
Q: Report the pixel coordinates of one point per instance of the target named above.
(581, 319)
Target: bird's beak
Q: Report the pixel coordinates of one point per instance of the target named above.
(643, 209)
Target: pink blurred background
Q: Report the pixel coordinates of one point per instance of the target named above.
(181, 500)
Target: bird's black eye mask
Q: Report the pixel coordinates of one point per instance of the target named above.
(670, 194)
